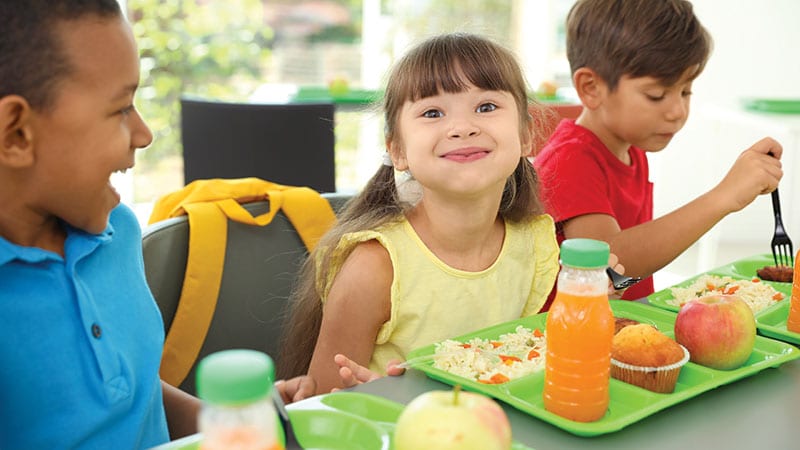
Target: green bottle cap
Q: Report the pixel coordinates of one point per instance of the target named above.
(234, 377)
(584, 253)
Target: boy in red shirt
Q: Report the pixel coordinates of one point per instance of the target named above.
(633, 63)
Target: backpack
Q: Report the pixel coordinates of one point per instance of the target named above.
(209, 205)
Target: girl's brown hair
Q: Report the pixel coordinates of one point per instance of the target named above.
(445, 63)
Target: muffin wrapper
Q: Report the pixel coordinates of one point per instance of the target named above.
(657, 379)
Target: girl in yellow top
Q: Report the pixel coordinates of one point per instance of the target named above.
(472, 250)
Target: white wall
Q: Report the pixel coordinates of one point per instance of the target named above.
(755, 55)
(756, 50)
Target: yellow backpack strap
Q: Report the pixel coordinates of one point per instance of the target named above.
(209, 204)
(208, 233)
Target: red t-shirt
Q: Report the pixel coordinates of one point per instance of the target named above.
(578, 175)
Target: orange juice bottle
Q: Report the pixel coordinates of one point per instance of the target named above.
(793, 321)
(579, 330)
(237, 411)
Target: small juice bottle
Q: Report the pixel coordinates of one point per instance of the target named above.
(237, 411)
(793, 321)
(580, 327)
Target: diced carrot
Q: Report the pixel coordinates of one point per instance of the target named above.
(778, 296)
(466, 345)
(508, 360)
(756, 280)
(731, 289)
(537, 333)
(497, 378)
(496, 344)
(533, 354)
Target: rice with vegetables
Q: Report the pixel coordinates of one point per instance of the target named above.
(756, 294)
(511, 356)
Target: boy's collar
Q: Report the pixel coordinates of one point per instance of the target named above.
(10, 251)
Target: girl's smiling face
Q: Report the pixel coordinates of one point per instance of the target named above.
(460, 143)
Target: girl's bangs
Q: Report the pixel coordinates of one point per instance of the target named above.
(453, 70)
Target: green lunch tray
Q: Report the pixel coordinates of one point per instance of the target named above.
(628, 403)
(772, 105)
(772, 322)
(767, 320)
(338, 421)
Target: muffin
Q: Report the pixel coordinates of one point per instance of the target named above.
(622, 322)
(643, 356)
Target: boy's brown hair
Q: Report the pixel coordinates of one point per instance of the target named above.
(637, 38)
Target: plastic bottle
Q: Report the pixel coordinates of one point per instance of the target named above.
(793, 321)
(237, 411)
(580, 327)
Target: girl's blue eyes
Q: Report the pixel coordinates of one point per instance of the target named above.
(483, 108)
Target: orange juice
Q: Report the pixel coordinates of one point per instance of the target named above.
(579, 333)
(238, 438)
(580, 327)
(793, 321)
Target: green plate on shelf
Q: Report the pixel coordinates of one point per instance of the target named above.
(338, 421)
(628, 403)
(772, 105)
(743, 269)
(344, 96)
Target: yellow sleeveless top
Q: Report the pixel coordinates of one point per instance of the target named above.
(432, 301)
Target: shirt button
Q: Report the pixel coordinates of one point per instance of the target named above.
(96, 331)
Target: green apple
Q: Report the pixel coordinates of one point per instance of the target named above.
(452, 420)
(718, 330)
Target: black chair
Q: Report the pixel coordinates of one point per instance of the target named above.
(289, 144)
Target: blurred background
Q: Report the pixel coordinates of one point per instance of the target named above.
(265, 50)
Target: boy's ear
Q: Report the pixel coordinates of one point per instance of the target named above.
(589, 86)
(16, 136)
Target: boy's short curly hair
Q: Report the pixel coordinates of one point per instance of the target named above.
(637, 38)
(32, 60)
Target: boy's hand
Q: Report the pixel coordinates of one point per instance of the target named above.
(757, 171)
(353, 374)
(613, 262)
(296, 389)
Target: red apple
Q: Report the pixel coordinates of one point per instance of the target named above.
(718, 330)
(449, 420)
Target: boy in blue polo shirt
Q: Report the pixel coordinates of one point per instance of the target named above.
(81, 333)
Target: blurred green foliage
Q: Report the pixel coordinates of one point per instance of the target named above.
(214, 49)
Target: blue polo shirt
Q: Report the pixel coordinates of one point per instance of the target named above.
(81, 344)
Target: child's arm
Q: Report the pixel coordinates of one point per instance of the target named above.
(648, 247)
(358, 304)
(181, 410)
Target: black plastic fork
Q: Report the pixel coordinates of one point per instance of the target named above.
(620, 281)
(782, 250)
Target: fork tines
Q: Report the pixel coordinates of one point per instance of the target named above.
(782, 249)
